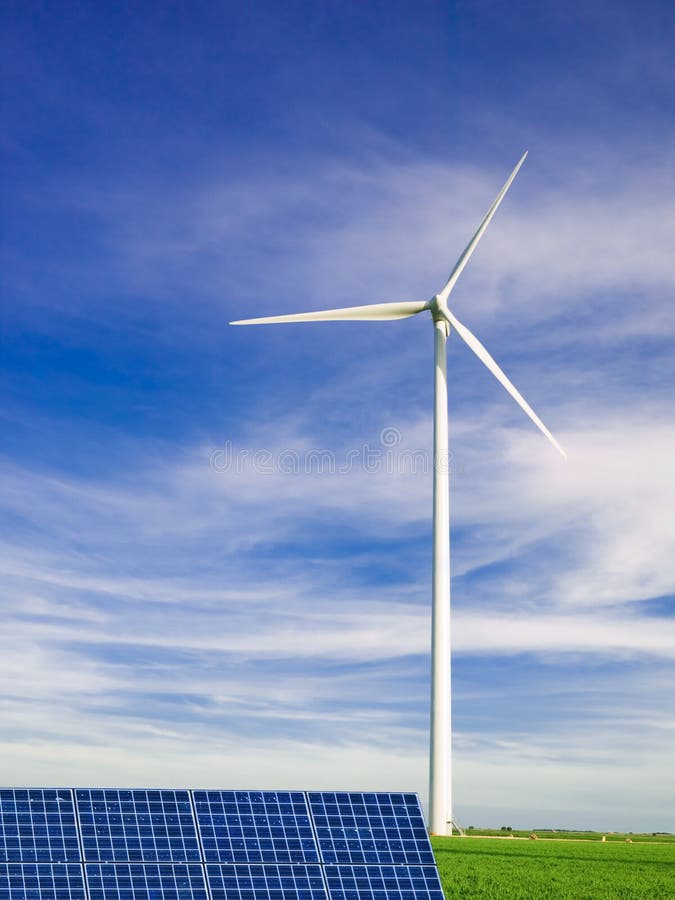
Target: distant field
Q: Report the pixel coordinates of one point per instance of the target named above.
(488, 869)
(575, 835)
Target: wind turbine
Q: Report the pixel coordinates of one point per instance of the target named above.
(440, 785)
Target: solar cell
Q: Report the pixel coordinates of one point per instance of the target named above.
(46, 881)
(37, 825)
(255, 827)
(267, 882)
(137, 825)
(383, 883)
(145, 881)
(376, 829)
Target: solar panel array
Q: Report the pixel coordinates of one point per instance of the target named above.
(104, 844)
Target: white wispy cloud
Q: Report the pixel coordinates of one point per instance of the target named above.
(182, 620)
(109, 577)
(389, 227)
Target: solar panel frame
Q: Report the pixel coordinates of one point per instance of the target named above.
(255, 827)
(47, 881)
(266, 881)
(146, 881)
(38, 825)
(383, 883)
(137, 825)
(365, 828)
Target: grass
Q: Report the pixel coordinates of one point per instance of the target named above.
(487, 869)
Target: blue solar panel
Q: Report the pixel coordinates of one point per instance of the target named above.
(255, 827)
(268, 882)
(111, 844)
(41, 881)
(376, 829)
(137, 825)
(37, 825)
(143, 881)
(383, 883)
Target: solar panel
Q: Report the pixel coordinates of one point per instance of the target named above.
(383, 883)
(268, 882)
(255, 827)
(376, 829)
(138, 844)
(37, 825)
(47, 881)
(145, 881)
(137, 826)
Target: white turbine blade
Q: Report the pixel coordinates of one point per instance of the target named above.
(485, 357)
(471, 246)
(373, 312)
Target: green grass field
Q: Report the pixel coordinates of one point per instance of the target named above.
(487, 868)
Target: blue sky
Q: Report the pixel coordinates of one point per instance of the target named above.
(173, 619)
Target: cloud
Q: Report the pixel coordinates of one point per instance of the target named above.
(182, 618)
(142, 625)
(595, 634)
(152, 536)
(607, 510)
(389, 226)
